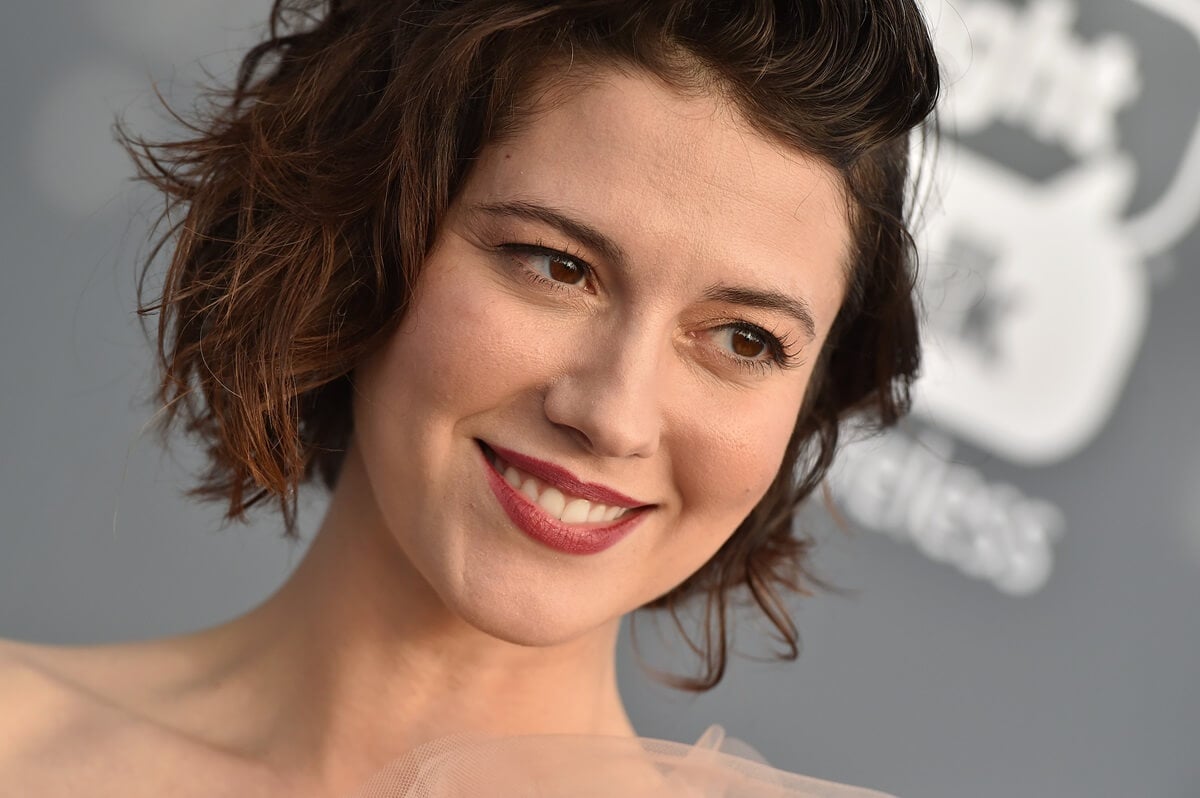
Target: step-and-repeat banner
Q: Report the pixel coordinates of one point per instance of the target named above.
(1068, 175)
(1021, 558)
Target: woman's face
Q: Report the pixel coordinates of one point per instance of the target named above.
(623, 306)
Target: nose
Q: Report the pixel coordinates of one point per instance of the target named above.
(608, 397)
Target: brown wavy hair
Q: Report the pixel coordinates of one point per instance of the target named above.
(303, 200)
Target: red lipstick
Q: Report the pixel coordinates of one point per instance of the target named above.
(544, 528)
(564, 480)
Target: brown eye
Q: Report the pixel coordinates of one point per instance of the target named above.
(752, 347)
(557, 266)
(564, 270)
(551, 267)
(746, 344)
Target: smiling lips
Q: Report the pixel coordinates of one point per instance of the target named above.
(554, 507)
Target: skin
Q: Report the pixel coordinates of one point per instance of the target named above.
(420, 610)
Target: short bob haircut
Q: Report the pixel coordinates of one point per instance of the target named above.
(302, 204)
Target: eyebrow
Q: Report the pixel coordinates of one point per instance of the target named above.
(796, 308)
(581, 231)
(775, 301)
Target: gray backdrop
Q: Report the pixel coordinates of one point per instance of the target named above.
(1025, 553)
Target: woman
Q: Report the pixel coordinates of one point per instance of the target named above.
(565, 303)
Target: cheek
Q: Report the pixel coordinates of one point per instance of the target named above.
(728, 464)
(744, 454)
(461, 348)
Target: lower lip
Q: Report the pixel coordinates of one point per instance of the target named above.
(567, 538)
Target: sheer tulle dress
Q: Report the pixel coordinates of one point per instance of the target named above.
(565, 766)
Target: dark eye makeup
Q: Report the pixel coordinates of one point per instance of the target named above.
(562, 269)
(749, 345)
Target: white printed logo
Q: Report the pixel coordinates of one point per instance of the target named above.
(1036, 291)
(1035, 303)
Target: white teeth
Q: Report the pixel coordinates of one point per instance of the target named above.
(530, 489)
(552, 501)
(576, 511)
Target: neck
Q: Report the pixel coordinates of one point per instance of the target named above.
(356, 660)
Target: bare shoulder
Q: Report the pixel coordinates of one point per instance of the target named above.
(41, 714)
(66, 729)
(37, 705)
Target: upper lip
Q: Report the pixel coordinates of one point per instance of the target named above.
(564, 480)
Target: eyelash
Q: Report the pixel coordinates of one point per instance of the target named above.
(538, 249)
(779, 347)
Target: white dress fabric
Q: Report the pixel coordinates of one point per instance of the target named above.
(567, 766)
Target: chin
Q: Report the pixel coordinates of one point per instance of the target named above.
(527, 616)
(523, 632)
(523, 629)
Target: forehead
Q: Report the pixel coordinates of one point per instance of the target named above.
(675, 177)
